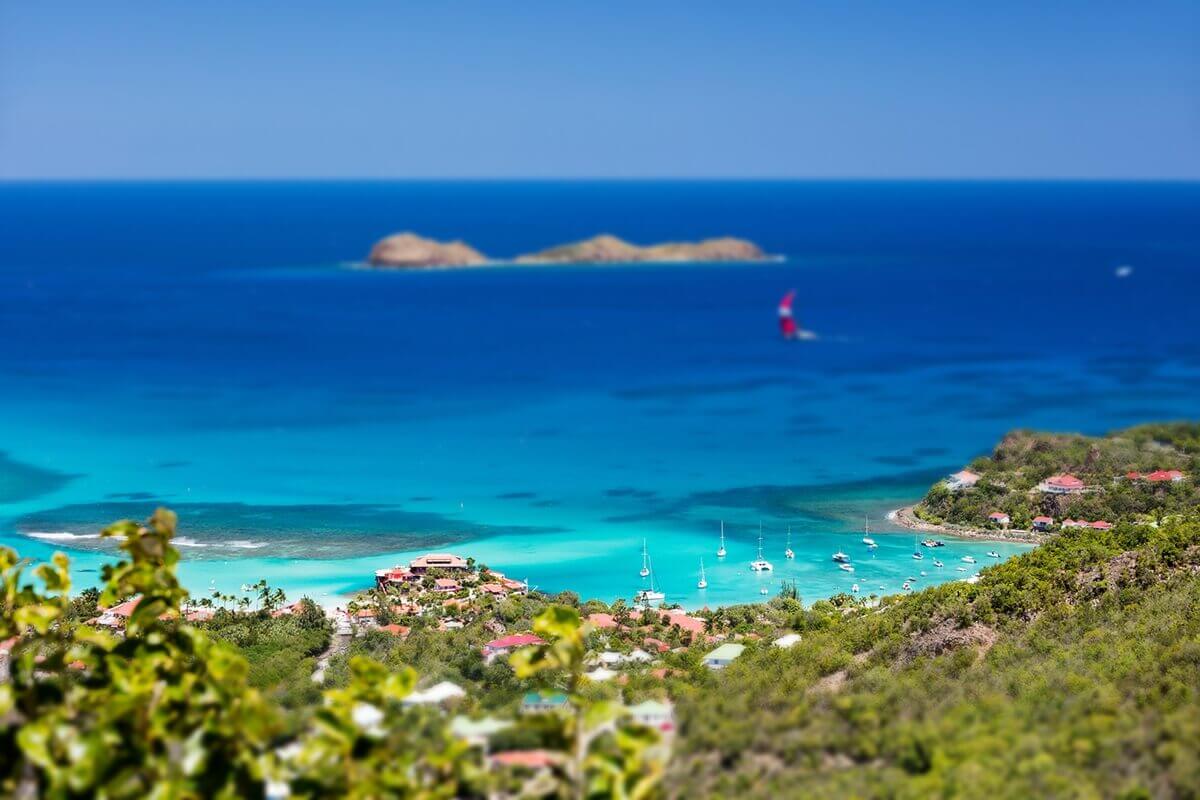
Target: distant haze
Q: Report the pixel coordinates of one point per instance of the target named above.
(677, 88)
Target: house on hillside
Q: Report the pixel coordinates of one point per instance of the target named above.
(654, 714)
(543, 702)
(1042, 522)
(963, 479)
(505, 644)
(1165, 476)
(724, 655)
(443, 561)
(999, 518)
(1062, 484)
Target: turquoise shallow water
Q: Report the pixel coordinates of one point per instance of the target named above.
(313, 423)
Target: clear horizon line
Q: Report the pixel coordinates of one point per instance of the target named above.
(596, 179)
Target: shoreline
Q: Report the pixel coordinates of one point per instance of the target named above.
(905, 518)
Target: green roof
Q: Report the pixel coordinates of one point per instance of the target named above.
(557, 698)
(726, 652)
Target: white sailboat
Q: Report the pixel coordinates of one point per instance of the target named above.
(721, 549)
(867, 540)
(647, 596)
(645, 560)
(917, 554)
(789, 553)
(760, 564)
(703, 582)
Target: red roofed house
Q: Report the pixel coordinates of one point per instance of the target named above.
(495, 589)
(1074, 523)
(525, 759)
(1164, 476)
(693, 625)
(118, 615)
(1101, 525)
(446, 585)
(1133, 476)
(963, 479)
(1062, 484)
(1042, 522)
(395, 630)
(394, 576)
(999, 517)
(501, 646)
(520, 587)
(419, 566)
(656, 644)
(602, 621)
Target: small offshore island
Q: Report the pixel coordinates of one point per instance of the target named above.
(410, 251)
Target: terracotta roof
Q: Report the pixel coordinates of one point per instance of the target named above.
(123, 609)
(1161, 475)
(687, 623)
(657, 644)
(997, 515)
(1101, 525)
(530, 759)
(514, 640)
(1065, 480)
(395, 630)
(1043, 518)
(602, 620)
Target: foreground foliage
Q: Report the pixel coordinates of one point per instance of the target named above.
(168, 710)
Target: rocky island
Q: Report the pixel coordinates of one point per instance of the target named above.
(407, 250)
(608, 249)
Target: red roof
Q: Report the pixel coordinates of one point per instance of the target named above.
(997, 515)
(395, 630)
(657, 644)
(1065, 481)
(493, 588)
(1133, 476)
(687, 623)
(1161, 475)
(602, 620)
(531, 759)
(515, 640)
(364, 613)
(123, 610)
(1043, 518)
(446, 583)
(1101, 525)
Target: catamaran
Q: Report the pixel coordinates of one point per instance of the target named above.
(702, 583)
(993, 554)
(968, 559)
(721, 549)
(760, 564)
(647, 596)
(645, 561)
(788, 553)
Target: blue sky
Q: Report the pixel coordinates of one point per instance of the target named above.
(681, 88)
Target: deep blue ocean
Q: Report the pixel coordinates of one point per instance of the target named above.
(209, 346)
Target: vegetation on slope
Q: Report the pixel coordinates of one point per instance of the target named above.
(1009, 478)
(1070, 671)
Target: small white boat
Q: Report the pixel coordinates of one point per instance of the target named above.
(763, 590)
(854, 588)
(929, 543)
(841, 557)
(645, 560)
(916, 553)
(703, 582)
(788, 553)
(721, 549)
(968, 559)
(906, 587)
(645, 597)
(923, 573)
(961, 569)
(845, 568)
(918, 556)
(993, 554)
(867, 540)
(760, 564)
(937, 563)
